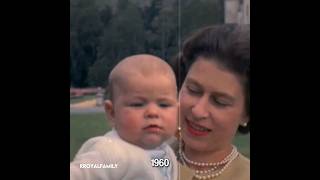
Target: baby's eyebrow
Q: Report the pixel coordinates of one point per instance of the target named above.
(137, 98)
(167, 99)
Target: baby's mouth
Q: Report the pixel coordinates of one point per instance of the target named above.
(153, 128)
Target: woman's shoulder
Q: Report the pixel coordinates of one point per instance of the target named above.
(239, 169)
(243, 162)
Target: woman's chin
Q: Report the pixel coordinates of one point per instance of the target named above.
(195, 144)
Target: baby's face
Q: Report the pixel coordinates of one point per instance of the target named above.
(146, 110)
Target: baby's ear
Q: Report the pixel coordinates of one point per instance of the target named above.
(109, 109)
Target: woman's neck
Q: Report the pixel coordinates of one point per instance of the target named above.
(206, 156)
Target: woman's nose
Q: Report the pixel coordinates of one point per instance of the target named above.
(200, 109)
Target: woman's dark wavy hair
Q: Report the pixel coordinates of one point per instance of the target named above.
(228, 45)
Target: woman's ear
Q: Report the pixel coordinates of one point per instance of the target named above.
(109, 109)
(244, 122)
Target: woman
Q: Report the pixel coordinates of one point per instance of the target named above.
(214, 102)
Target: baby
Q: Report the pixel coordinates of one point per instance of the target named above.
(143, 111)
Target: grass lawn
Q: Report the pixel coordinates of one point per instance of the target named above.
(85, 126)
(82, 98)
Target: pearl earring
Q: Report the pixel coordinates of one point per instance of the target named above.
(244, 124)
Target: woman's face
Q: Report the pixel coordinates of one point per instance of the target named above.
(212, 106)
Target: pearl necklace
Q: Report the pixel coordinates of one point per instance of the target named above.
(208, 174)
(226, 159)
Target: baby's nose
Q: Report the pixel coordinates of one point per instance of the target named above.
(152, 111)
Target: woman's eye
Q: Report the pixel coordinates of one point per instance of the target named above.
(193, 90)
(220, 102)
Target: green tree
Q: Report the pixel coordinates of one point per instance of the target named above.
(85, 29)
(196, 14)
(163, 35)
(104, 32)
(123, 37)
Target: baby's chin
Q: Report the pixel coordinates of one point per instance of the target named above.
(152, 141)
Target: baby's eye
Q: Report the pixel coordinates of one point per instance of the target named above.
(136, 104)
(165, 105)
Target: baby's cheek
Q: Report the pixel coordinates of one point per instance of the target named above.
(172, 122)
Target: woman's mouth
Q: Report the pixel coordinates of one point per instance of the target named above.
(197, 130)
